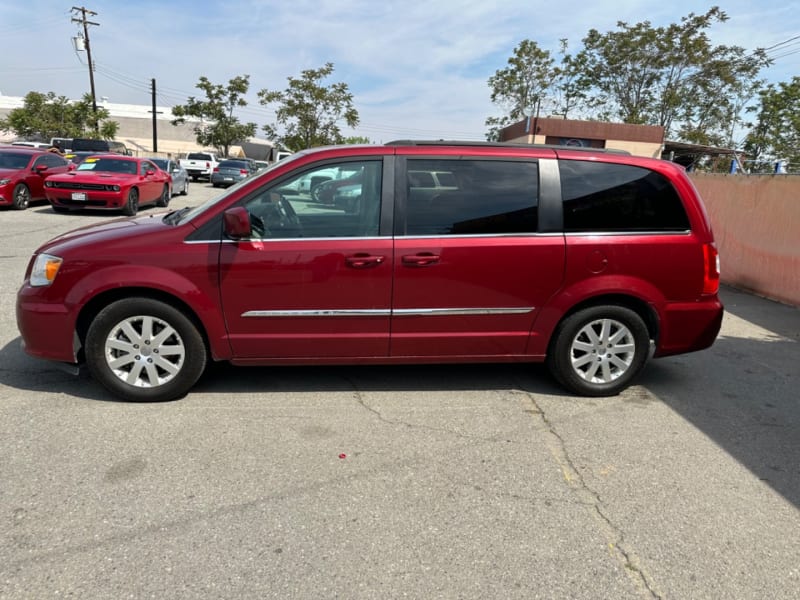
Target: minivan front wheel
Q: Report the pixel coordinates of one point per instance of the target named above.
(144, 350)
(599, 350)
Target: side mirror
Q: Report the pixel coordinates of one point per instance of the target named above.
(40, 168)
(236, 223)
(149, 173)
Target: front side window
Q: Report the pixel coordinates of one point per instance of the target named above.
(471, 197)
(331, 201)
(600, 197)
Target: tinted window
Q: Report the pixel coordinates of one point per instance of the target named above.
(486, 197)
(611, 197)
(51, 160)
(286, 210)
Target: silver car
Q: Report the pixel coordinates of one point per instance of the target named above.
(180, 178)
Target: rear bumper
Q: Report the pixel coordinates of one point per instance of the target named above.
(689, 326)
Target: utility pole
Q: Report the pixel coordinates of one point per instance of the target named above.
(155, 112)
(83, 12)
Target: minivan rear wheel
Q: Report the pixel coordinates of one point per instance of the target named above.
(145, 350)
(599, 350)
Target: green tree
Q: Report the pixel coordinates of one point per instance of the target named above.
(214, 123)
(776, 131)
(520, 87)
(357, 139)
(308, 112)
(672, 76)
(44, 116)
(572, 86)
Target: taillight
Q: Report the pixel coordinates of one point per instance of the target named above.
(243, 171)
(208, 165)
(710, 269)
(216, 169)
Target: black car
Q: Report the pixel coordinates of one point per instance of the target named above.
(230, 171)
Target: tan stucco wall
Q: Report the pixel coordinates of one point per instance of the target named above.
(756, 221)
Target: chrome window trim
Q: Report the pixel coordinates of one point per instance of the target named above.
(271, 240)
(626, 233)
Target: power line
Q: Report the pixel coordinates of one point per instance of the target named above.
(791, 39)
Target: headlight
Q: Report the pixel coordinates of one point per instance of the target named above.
(44, 270)
(5, 181)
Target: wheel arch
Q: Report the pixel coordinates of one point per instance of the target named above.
(97, 303)
(637, 305)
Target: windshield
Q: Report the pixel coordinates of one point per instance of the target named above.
(208, 204)
(110, 165)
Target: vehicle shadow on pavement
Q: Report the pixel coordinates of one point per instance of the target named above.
(745, 392)
(27, 373)
(742, 392)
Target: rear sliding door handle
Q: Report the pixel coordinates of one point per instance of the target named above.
(364, 261)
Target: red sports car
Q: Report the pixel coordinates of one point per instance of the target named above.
(23, 172)
(112, 182)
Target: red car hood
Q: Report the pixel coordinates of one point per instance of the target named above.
(103, 235)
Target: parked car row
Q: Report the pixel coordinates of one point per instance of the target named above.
(82, 179)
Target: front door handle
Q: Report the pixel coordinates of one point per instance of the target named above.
(423, 259)
(364, 260)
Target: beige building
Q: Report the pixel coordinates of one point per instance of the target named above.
(639, 140)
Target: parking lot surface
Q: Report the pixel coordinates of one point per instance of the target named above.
(386, 482)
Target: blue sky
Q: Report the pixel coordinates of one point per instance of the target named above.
(416, 68)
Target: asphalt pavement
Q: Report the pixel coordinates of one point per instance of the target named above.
(403, 482)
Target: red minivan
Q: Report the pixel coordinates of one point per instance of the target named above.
(590, 260)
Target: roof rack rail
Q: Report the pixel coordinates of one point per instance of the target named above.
(502, 145)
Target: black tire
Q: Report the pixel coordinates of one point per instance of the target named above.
(164, 199)
(185, 189)
(144, 350)
(195, 178)
(132, 204)
(22, 197)
(599, 350)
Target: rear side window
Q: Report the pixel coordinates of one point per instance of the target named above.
(610, 197)
(471, 197)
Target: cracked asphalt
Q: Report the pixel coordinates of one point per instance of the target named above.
(442, 481)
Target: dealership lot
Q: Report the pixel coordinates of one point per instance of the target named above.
(438, 481)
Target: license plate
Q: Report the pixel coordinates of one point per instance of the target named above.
(79, 196)
(229, 179)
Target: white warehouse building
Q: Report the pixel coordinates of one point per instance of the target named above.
(136, 130)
